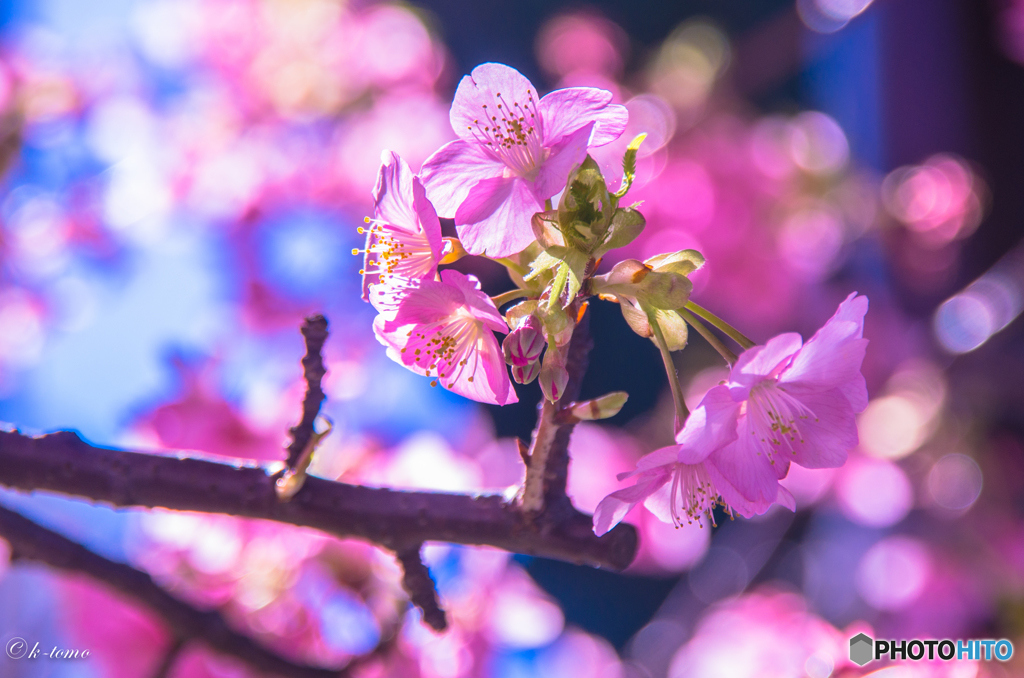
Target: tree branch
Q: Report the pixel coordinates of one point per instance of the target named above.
(547, 470)
(62, 462)
(31, 541)
(314, 331)
(419, 585)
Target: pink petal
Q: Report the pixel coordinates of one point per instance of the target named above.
(566, 110)
(665, 456)
(431, 302)
(832, 358)
(554, 172)
(733, 498)
(479, 304)
(385, 337)
(482, 88)
(745, 466)
(485, 361)
(452, 170)
(387, 297)
(786, 499)
(827, 436)
(616, 505)
(764, 360)
(400, 200)
(710, 426)
(495, 218)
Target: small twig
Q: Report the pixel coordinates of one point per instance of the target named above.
(420, 586)
(511, 295)
(30, 541)
(708, 335)
(314, 331)
(682, 412)
(729, 330)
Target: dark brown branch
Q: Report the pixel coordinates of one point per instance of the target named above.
(314, 331)
(62, 462)
(420, 586)
(30, 541)
(548, 467)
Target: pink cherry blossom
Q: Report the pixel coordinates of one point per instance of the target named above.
(685, 482)
(797, 401)
(514, 151)
(445, 330)
(404, 233)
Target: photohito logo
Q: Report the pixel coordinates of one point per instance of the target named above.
(860, 649)
(863, 649)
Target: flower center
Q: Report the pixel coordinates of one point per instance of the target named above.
(448, 348)
(511, 133)
(774, 416)
(398, 252)
(696, 495)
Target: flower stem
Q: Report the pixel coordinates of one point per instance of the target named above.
(557, 285)
(506, 297)
(670, 368)
(731, 331)
(511, 265)
(702, 329)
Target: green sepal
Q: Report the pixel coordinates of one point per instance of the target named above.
(629, 165)
(627, 224)
(683, 262)
(673, 328)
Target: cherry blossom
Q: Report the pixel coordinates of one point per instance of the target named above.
(404, 234)
(443, 329)
(515, 150)
(685, 482)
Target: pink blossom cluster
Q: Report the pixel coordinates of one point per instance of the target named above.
(784, 402)
(514, 152)
(289, 104)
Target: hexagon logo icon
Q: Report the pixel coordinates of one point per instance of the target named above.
(860, 649)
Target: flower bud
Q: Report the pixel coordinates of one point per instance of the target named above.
(599, 408)
(553, 375)
(526, 373)
(525, 343)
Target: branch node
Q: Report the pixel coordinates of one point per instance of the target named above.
(292, 479)
(417, 582)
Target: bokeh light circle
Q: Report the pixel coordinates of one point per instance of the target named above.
(893, 573)
(874, 492)
(955, 482)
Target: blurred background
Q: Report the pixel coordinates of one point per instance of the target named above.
(183, 183)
